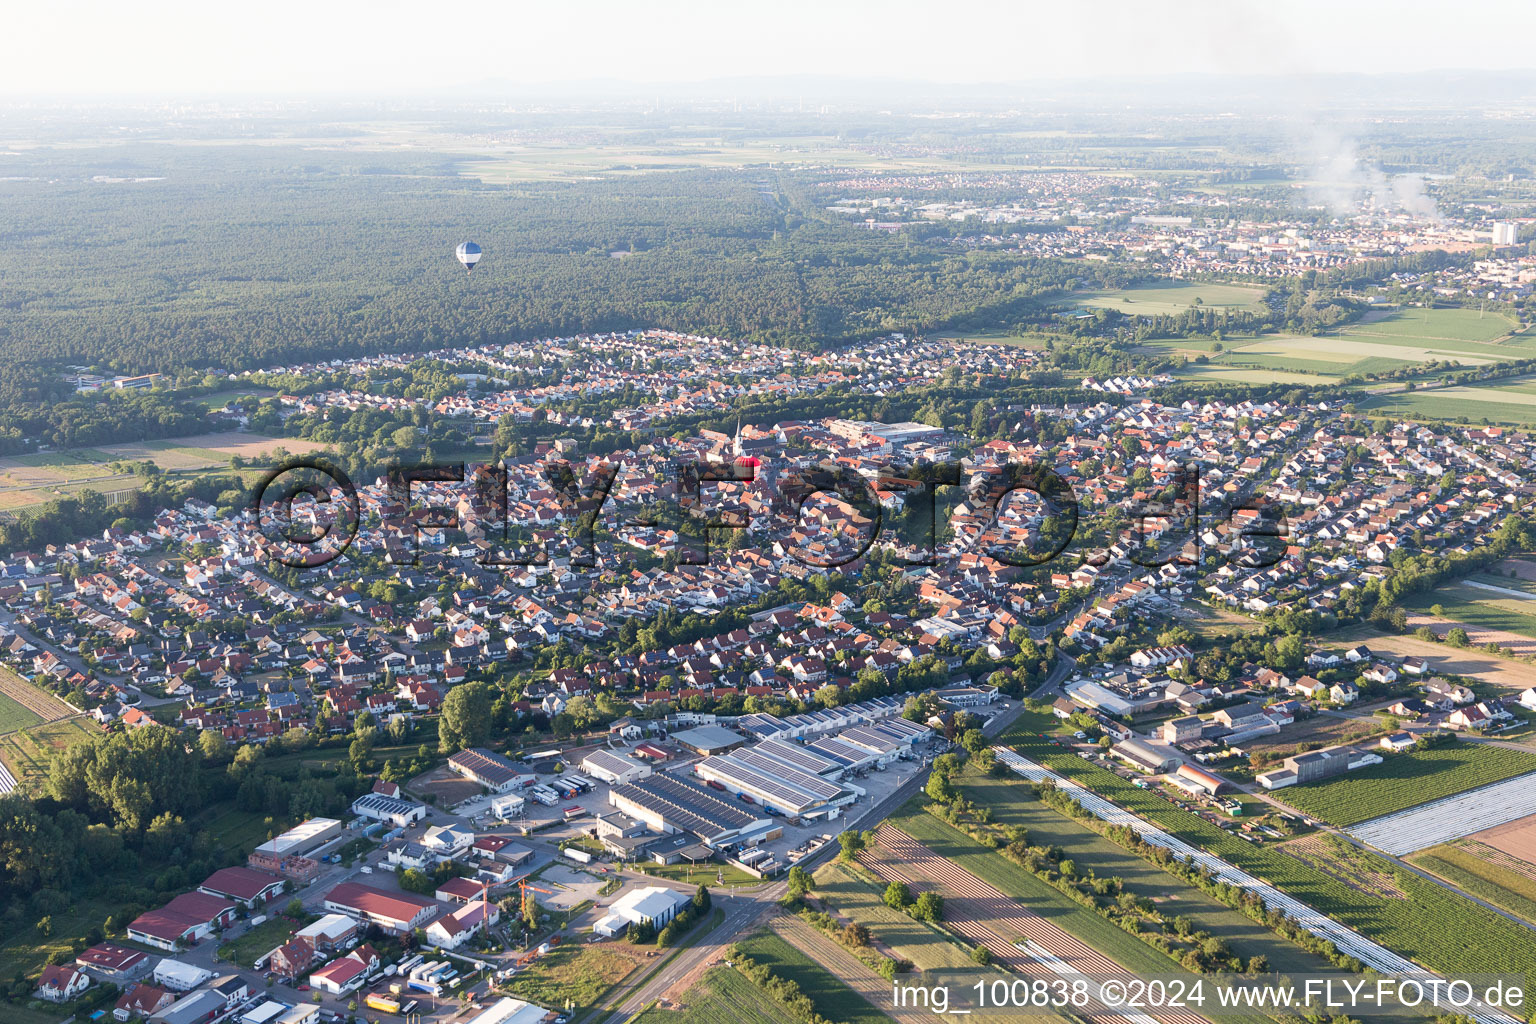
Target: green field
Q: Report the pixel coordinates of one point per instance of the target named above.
(833, 999)
(1380, 342)
(1455, 325)
(1172, 298)
(15, 716)
(27, 752)
(1432, 925)
(26, 951)
(1406, 780)
(722, 996)
(261, 940)
(1092, 852)
(1480, 608)
(1496, 402)
(1500, 886)
(1221, 373)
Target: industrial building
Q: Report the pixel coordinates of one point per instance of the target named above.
(614, 769)
(796, 756)
(490, 769)
(666, 805)
(709, 739)
(654, 905)
(1198, 781)
(1143, 755)
(1316, 765)
(392, 810)
(776, 786)
(507, 1010)
(302, 838)
(396, 912)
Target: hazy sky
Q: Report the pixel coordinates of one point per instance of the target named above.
(280, 47)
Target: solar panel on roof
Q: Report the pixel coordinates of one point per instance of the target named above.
(815, 785)
(728, 767)
(797, 756)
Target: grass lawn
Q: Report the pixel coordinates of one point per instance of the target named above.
(1500, 886)
(833, 999)
(26, 950)
(1445, 932)
(577, 970)
(1173, 297)
(13, 716)
(261, 940)
(699, 874)
(722, 996)
(239, 831)
(1406, 780)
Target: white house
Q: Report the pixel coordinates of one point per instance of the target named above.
(61, 983)
(1528, 698)
(450, 840)
(451, 930)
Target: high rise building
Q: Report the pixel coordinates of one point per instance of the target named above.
(1505, 233)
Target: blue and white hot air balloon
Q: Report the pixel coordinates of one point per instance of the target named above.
(469, 254)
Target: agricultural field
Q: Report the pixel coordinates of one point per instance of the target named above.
(28, 480)
(833, 999)
(1010, 803)
(722, 996)
(1040, 897)
(1173, 298)
(1501, 672)
(1484, 872)
(1381, 342)
(855, 896)
(1406, 780)
(27, 752)
(1495, 402)
(1452, 325)
(1434, 926)
(1505, 610)
(14, 715)
(1219, 373)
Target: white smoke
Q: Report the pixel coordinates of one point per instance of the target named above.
(1341, 180)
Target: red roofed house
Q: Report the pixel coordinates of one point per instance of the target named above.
(143, 1000)
(61, 983)
(344, 974)
(291, 959)
(243, 885)
(112, 962)
(186, 920)
(459, 890)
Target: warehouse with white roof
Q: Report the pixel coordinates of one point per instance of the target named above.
(614, 769)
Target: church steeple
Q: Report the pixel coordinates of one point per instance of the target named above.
(736, 443)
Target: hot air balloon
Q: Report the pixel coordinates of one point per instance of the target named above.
(469, 254)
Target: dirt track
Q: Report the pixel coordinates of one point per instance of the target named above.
(986, 917)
